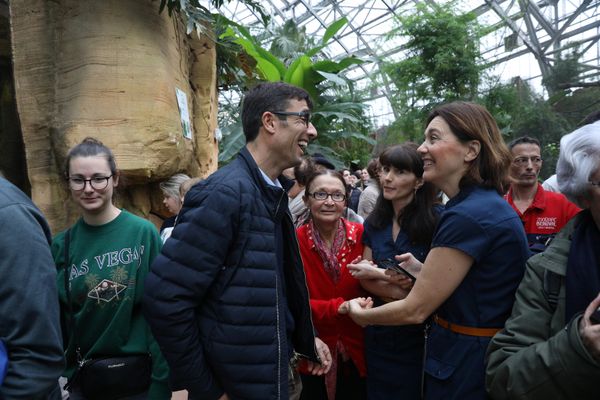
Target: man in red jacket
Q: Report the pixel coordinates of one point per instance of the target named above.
(543, 213)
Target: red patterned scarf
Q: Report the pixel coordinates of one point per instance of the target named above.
(329, 255)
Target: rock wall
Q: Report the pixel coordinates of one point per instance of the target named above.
(109, 69)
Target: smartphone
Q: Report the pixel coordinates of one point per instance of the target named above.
(595, 317)
(393, 265)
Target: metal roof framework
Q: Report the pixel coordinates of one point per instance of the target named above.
(526, 38)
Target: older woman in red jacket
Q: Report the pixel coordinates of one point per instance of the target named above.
(328, 243)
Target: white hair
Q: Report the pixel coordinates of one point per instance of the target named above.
(171, 185)
(579, 159)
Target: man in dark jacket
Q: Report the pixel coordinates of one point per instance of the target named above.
(227, 299)
(29, 311)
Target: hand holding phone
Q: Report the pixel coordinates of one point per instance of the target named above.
(394, 266)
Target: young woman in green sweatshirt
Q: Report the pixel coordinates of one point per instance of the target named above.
(109, 253)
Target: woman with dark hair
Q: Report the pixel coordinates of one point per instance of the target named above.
(102, 261)
(401, 224)
(327, 243)
(477, 254)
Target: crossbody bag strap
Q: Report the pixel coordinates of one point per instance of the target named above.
(68, 293)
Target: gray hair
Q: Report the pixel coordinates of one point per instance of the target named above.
(171, 186)
(579, 159)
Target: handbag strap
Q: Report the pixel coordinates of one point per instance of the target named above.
(68, 293)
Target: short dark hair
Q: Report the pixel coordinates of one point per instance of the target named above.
(268, 96)
(524, 140)
(90, 147)
(470, 121)
(303, 171)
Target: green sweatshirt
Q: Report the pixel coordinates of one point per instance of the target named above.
(108, 265)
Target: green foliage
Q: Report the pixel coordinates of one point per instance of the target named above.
(443, 55)
(442, 65)
(199, 17)
(520, 112)
(566, 69)
(338, 115)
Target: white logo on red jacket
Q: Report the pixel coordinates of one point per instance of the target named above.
(546, 223)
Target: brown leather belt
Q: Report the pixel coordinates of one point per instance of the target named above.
(465, 330)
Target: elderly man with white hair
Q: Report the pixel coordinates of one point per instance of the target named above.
(550, 346)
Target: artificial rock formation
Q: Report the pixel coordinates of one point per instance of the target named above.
(109, 69)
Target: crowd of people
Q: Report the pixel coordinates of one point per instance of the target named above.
(443, 270)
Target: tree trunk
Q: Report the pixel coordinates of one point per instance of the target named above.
(109, 69)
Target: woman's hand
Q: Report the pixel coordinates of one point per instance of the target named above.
(343, 308)
(590, 333)
(364, 269)
(325, 357)
(356, 307)
(399, 279)
(410, 263)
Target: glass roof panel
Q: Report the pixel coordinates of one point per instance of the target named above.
(552, 26)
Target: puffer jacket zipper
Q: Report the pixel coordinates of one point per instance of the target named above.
(279, 356)
(312, 326)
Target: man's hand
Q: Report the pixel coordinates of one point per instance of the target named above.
(325, 357)
(224, 397)
(590, 333)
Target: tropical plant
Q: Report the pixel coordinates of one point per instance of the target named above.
(340, 120)
(565, 71)
(199, 18)
(519, 111)
(442, 64)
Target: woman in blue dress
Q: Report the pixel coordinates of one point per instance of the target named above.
(477, 254)
(402, 224)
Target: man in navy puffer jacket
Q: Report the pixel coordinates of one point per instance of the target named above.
(227, 299)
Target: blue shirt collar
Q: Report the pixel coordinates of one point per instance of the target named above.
(275, 183)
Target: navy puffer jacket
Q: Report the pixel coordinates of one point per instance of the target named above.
(213, 297)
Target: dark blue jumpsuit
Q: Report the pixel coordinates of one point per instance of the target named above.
(394, 354)
(482, 224)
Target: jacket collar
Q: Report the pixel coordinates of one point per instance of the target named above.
(275, 198)
(245, 156)
(539, 200)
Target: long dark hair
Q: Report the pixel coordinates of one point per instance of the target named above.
(418, 219)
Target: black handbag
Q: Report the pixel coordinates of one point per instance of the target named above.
(113, 378)
(106, 378)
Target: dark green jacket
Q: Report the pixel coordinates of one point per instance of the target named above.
(538, 355)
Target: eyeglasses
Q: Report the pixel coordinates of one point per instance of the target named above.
(97, 182)
(522, 161)
(304, 115)
(337, 196)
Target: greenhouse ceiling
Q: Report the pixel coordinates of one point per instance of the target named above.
(527, 36)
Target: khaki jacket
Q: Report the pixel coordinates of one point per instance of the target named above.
(538, 355)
